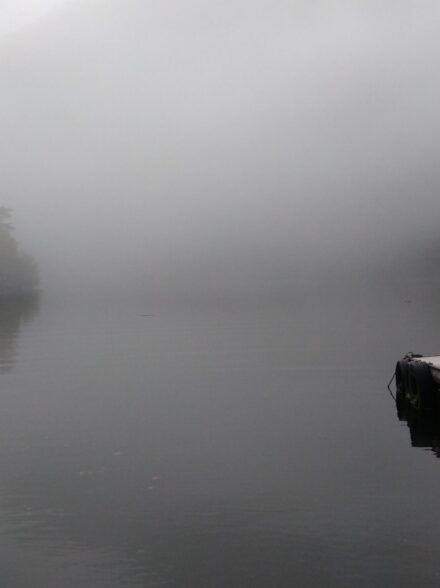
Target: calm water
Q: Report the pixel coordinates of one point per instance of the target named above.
(213, 448)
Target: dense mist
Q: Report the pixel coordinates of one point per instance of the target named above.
(236, 147)
(218, 235)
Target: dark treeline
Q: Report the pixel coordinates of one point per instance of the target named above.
(18, 270)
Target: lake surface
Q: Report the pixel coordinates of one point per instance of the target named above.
(234, 447)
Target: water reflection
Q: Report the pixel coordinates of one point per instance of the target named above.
(14, 313)
(424, 426)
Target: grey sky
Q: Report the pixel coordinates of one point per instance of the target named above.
(17, 14)
(221, 140)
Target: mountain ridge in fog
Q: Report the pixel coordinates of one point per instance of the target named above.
(236, 147)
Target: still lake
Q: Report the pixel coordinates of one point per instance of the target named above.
(214, 447)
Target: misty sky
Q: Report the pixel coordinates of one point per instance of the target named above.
(17, 14)
(220, 143)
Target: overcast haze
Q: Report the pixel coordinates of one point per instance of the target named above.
(220, 145)
(18, 14)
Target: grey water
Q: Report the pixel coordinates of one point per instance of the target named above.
(209, 446)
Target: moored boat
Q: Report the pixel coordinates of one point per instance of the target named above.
(418, 380)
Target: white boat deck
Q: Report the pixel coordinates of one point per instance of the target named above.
(433, 362)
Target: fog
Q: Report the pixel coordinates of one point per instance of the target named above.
(16, 14)
(234, 210)
(232, 147)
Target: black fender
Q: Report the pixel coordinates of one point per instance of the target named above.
(402, 376)
(402, 405)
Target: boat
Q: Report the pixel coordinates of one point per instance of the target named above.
(418, 381)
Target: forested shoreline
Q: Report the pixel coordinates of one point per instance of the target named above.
(18, 269)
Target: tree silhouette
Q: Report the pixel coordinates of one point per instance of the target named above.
(18, 270)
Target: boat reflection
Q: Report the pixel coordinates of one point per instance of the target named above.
(14, 313)
(424, 426)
